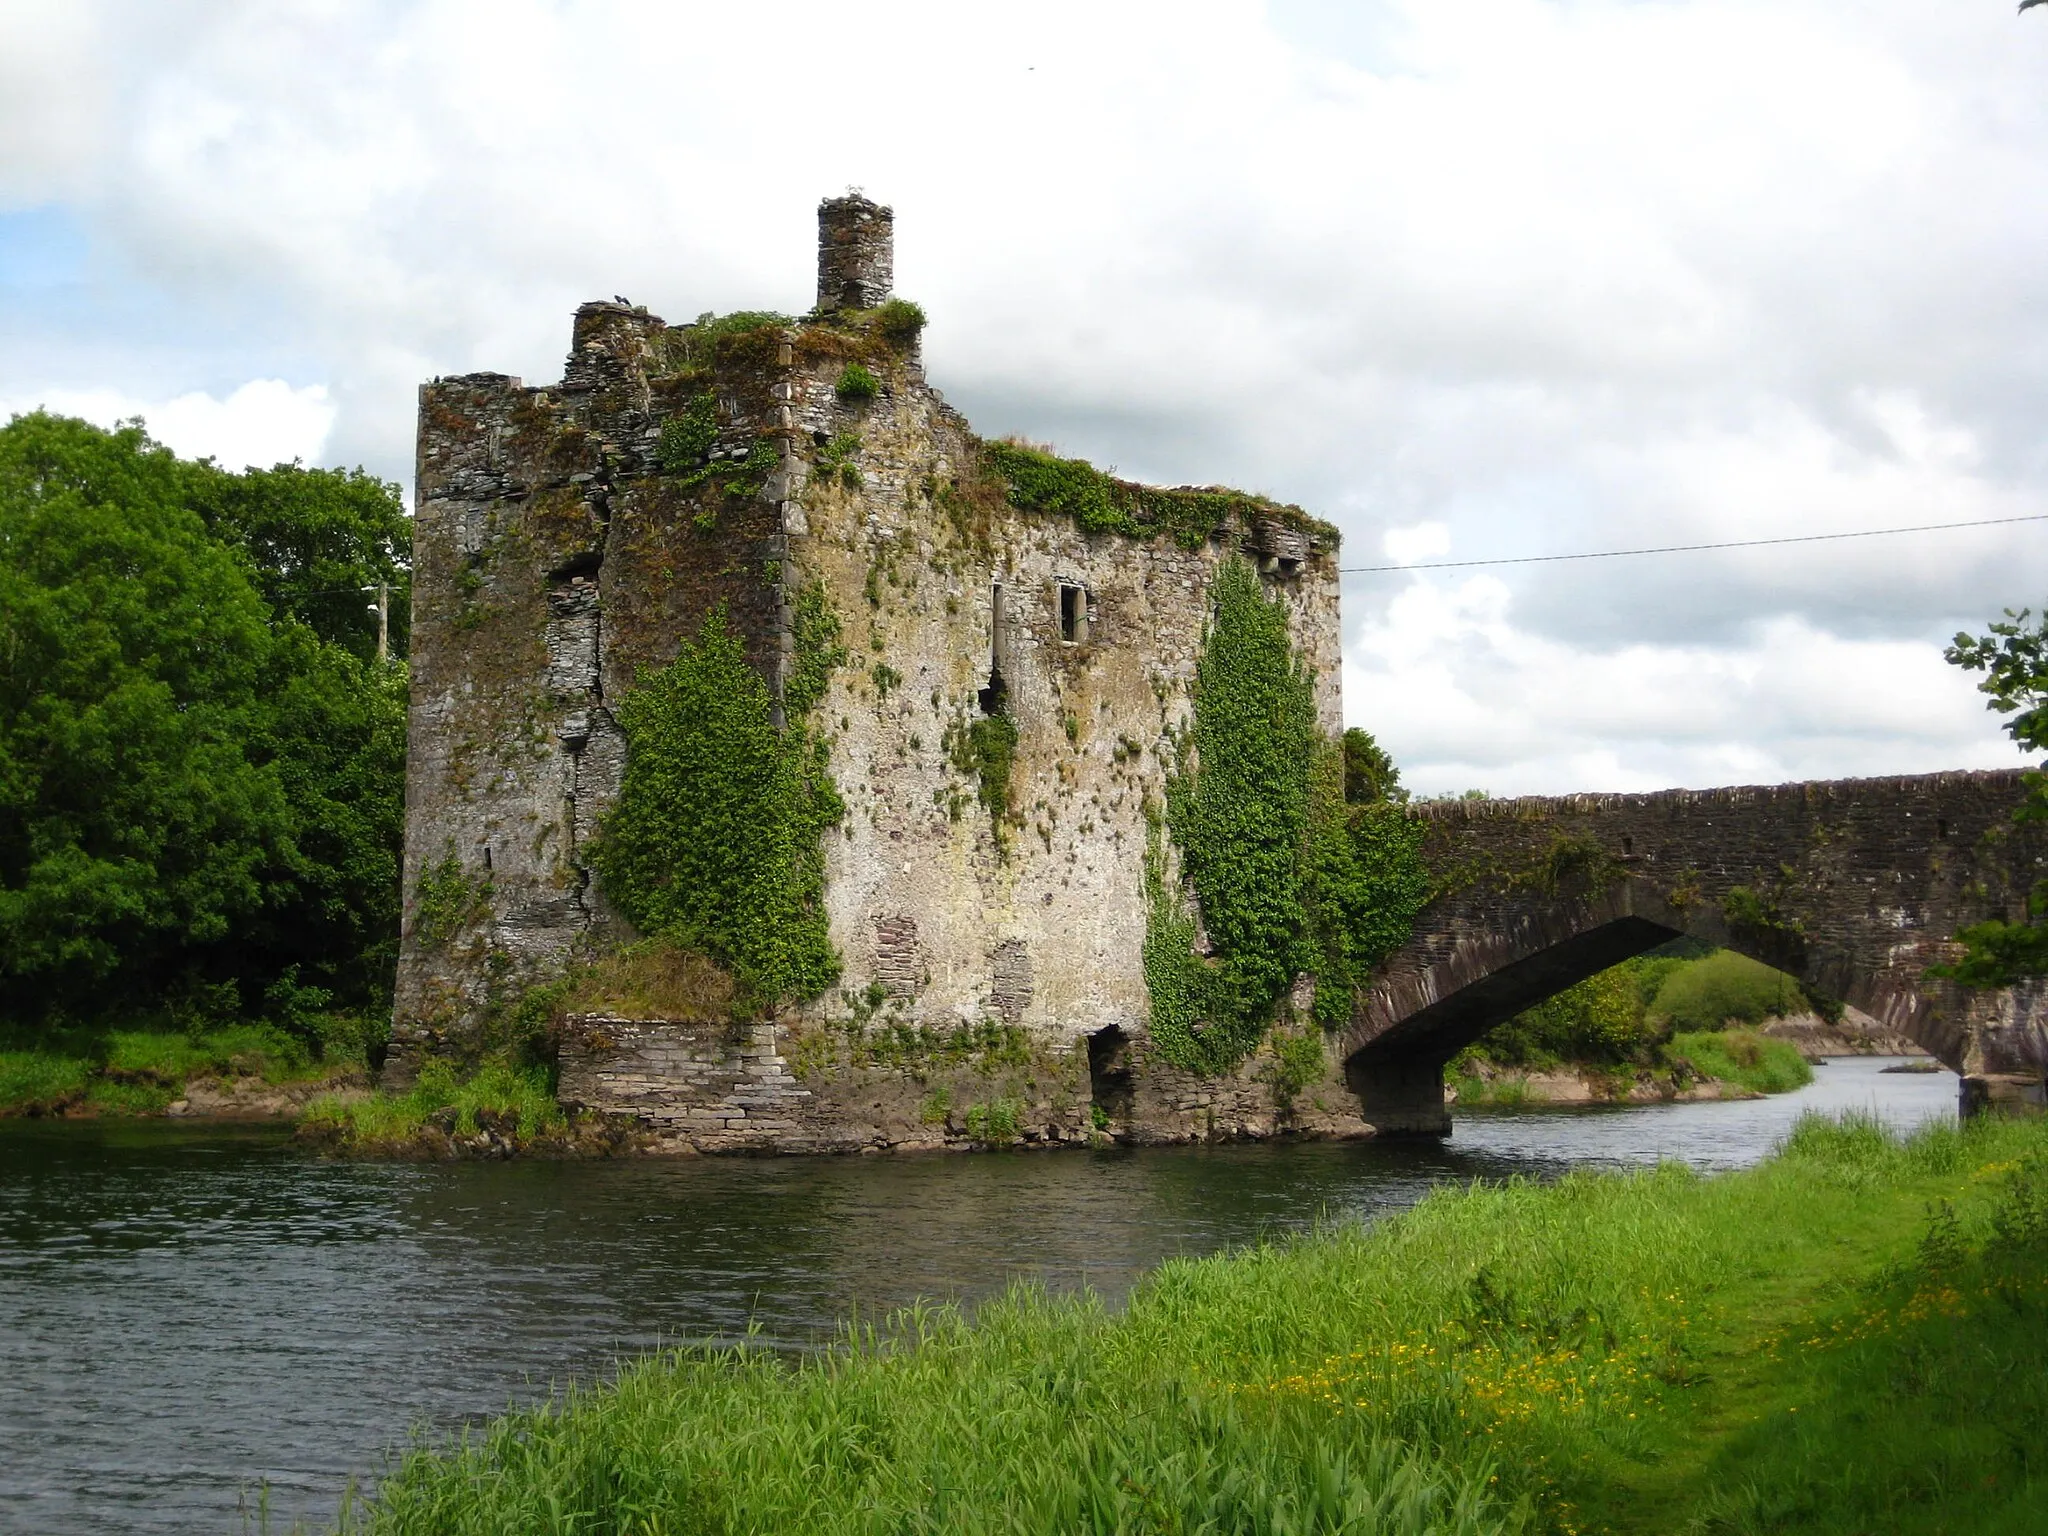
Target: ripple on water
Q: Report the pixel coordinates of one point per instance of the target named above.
(195, 1311)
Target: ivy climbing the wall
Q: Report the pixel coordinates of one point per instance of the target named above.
(1363, 880)
(1288, 875)
(684, 450)
(715, 840)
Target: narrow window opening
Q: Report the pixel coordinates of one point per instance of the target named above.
(487, 856)
(996, 696)
(1941, 827)
(1628, 847)
(1073, 613)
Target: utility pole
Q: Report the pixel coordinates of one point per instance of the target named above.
(383, 620)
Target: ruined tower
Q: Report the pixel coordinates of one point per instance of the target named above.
(856, 253)
(573, 538)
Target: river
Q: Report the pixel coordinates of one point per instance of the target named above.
(189, 1313)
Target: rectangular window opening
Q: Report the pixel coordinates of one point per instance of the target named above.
(1073, 613)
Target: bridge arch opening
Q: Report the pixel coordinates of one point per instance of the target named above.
(1397, 1069)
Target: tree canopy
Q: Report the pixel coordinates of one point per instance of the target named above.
(201, 758)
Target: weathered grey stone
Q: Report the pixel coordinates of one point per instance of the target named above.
(1861, 885)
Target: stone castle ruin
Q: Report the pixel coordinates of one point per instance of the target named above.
(739, 640)
(572, 538)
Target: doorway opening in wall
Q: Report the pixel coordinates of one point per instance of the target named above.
(1109, 1076)
(1073, 613)
(995, 695)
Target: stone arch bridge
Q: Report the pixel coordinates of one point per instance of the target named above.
(1855, 887)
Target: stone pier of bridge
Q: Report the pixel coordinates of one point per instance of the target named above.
(1855, 887)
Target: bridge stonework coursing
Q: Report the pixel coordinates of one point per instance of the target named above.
(1855, 887)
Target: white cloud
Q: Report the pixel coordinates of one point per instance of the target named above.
(1507, 277)
(264, 422)
(1424, 541)
(1464, 698)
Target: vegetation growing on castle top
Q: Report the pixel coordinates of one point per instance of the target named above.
(713, 338)
(1038, 481)
(687, 450)
(857, 383)
(900, 321)
(1289, 877)
(714, 842)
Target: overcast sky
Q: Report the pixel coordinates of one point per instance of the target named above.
(1471, 278)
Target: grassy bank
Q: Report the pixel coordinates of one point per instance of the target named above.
(496, 1110)
(1741, 1059)
(144, 1071)
(1656, 1024)
(1847, 1339)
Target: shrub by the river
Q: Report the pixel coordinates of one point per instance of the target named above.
(1801, 1347)
(1623, 1020)
(1743, 1057)
(1721, 989)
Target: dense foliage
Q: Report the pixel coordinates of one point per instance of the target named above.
(201, 758)
(1288, 877)
(714, 841)
(1847, 1339)
(1634, 1013)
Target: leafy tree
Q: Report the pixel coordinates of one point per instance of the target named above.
(319, 541)
(2014, 660)
(1369, 774)
(200, 789)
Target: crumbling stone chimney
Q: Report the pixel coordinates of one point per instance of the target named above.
(856, 252)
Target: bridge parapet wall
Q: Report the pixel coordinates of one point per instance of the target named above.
(1853, 886)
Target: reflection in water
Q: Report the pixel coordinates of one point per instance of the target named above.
(192, 1311)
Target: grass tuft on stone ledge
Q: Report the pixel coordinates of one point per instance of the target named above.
(498, 1108)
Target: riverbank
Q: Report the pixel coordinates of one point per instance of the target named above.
(235, 1072)
(1718, 1064)
(1848, 1337)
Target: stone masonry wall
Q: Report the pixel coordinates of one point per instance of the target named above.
(559, 557)
(780, 1087)
(1855, 887)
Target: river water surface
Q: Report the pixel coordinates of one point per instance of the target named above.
(191, 1313)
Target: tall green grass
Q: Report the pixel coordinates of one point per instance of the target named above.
(1744, 1057)
(1504, 1358)
(140, 1071)
(517, 1100)
(40, 1082)
(235, 1050)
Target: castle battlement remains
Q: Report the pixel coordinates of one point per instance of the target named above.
(573, 538)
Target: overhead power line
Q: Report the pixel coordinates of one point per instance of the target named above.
(1684, 549)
